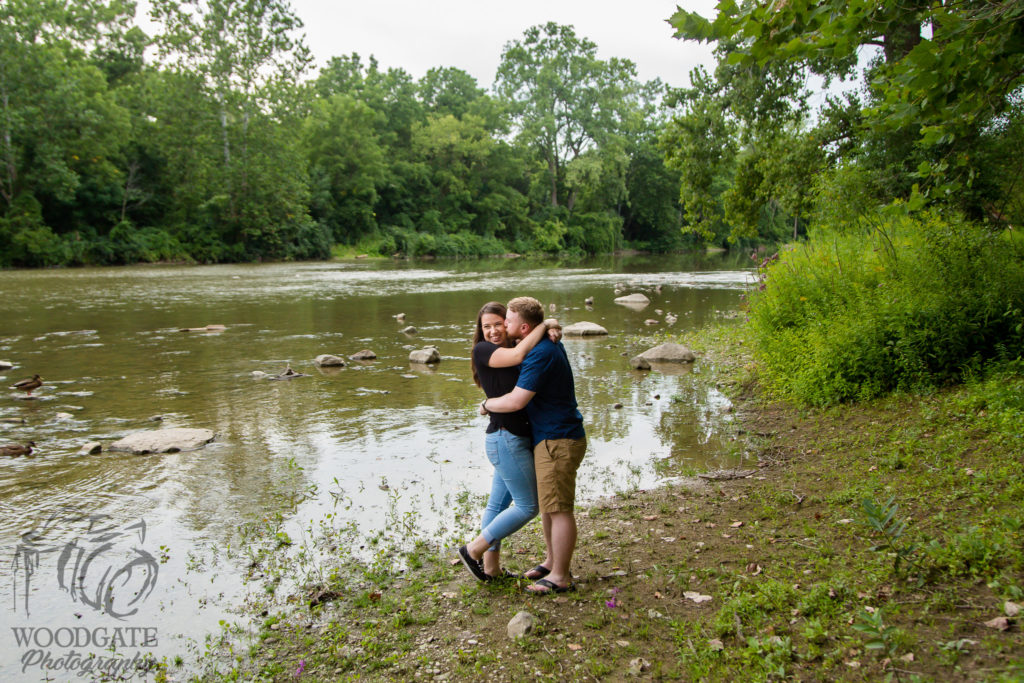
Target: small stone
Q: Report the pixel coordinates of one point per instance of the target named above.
(521, 624)
(1011, 609)
(6, 365)
(584, 329)
(327, 360)
(638, 666)
(365, 354)
(64, 417)
(409, 330)
(650, 321)
(617, 406)
(91, 448)
(427, 355)
(999, 623)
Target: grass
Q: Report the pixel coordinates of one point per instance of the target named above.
(874, 542)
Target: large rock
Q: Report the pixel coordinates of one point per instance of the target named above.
(669, 353)
(365, 354)
(427, 355)
(636, 299)
(521, 624)
(164, 441)
(5, 365)
(639, 363)
(91, 448)
(329, 361)
(583, 329)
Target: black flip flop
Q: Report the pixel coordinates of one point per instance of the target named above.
(540, 570)
(473, 565)
(552, 587)
(505, 575)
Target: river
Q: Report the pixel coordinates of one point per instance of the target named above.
(370, 448)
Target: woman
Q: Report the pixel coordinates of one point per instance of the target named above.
(508, 443)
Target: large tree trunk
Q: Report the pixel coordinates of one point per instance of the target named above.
(904, 34)
(553, 173)
(10, 171)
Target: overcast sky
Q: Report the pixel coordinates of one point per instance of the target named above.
(469, 34)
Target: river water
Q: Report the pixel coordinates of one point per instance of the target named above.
(369, 447)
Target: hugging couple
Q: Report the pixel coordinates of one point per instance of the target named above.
(535, 440)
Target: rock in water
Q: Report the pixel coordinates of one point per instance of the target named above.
(669, 353)
(365, 354)
(639, 363)
(91, 448)
(410, 330)
(329, 361)
(583, 329)
(521, 624)
(428, 355)
(164, 441)
(636, 299)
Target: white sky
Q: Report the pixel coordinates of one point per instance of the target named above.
(416, 35)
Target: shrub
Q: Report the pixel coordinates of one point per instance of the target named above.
(915, 304)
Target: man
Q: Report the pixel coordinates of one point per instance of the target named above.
(547, 391)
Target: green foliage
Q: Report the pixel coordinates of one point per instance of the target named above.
(946, 78)
(913, 305)
(879, 636)
(883, 521)
(205, 143)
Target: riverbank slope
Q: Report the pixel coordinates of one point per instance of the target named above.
(876, 541)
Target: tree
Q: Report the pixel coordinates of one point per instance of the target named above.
(347, 164)
(945, 88)
(563, 100)
(60, 127)
(247, 58)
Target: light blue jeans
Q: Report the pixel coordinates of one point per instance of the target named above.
(515, 481)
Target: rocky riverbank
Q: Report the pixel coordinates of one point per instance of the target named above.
(869, 542)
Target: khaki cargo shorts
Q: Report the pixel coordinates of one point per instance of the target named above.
(556, 462)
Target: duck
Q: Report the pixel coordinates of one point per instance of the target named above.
(28, 385)
(14, 450)
(288, 373)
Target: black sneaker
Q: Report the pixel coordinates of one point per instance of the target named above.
(474, 566)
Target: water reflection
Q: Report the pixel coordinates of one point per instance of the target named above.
(392, 437)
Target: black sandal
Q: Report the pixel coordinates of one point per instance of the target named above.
(551, 587)
(539, 572)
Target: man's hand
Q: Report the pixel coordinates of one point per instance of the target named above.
(554, 329)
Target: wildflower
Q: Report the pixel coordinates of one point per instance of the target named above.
(302, 667)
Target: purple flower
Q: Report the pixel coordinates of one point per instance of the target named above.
(302, 667)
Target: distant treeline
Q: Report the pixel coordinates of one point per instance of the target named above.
(213, 141)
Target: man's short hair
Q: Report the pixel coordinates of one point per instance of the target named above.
(528, 308)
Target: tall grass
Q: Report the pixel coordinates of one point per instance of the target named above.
(913, 303)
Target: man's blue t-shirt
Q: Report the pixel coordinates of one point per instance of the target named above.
(553, 412)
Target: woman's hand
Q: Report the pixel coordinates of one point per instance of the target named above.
(554, 329)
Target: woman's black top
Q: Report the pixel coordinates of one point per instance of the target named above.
(498, 382)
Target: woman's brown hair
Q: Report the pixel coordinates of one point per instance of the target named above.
(478, 335)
